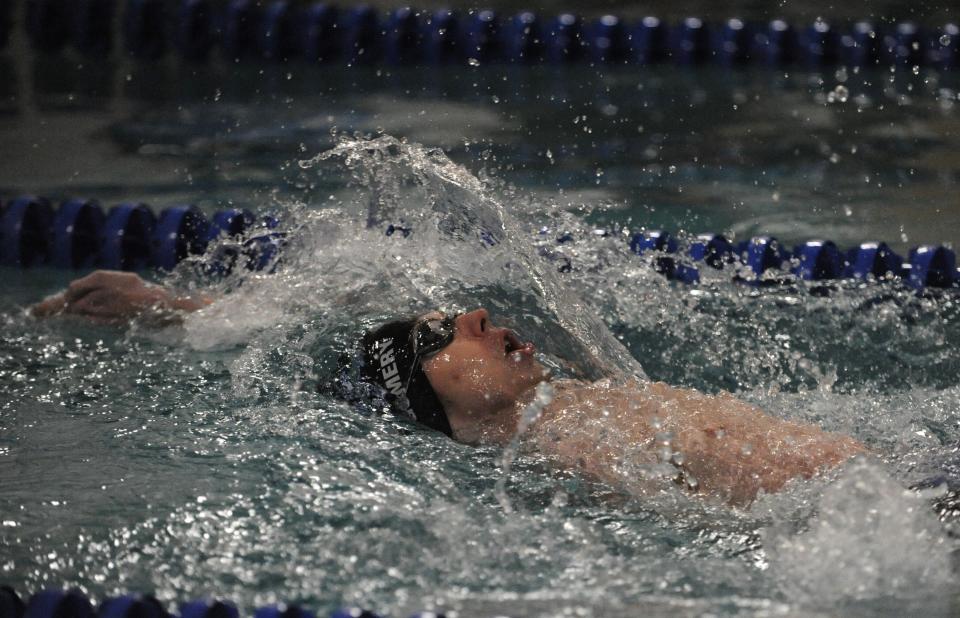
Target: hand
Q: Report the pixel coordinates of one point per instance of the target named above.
(113, 296)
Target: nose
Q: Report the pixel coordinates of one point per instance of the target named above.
(475, 323)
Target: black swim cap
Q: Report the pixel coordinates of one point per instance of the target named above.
(389, 360)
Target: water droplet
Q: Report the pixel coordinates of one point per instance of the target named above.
(847, 210)
(747, 449)
(672, 169)
(841, 93)
(473, 62)
(834, 157)
(945, 40)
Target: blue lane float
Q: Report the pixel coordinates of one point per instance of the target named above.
(238, 30)
(144, 29)
(74, 604)
(59, 604)
(354, 612)
(209, 609)
(609, 43)
(180, 231)
(131, 237)
(712, 249)
(932, 267)
(193, 34)
(132, 606)
(649, 41)
(565, 40)
(817, 260)
(665, 261)
(361, 36)
(93, 27)
(76, 234)
(47, 24)
(873, 260)
(481, 37)
(404, 38)
(127, 234)
(523, 39)
(443, 38)
(290, 611)
(731, 43)
(760, 255)
(283, 30)
(25, 231)
(231, 223)
(278, 36)
(321, 36)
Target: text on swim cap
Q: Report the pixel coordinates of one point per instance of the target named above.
(388, 368)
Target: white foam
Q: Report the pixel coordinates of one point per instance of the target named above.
(870, 538)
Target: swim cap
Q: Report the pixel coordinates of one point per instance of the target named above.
(390, 360)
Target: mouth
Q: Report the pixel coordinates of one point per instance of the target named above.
(513, 345)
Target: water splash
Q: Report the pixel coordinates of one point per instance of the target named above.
(870, 539)
(452, 244)
(530, 415)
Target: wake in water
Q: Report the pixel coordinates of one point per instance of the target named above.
(411, 232)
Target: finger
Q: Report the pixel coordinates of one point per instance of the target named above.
(79, 288)
(50, 305)
(96, 302)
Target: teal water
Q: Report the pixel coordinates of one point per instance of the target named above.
(201, 460)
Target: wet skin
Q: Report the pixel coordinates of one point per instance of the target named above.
(481, 376)
(634, 436)
(114, 297)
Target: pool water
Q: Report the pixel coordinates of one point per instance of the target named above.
(202, 460)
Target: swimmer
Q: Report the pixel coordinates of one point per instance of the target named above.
(471, 380)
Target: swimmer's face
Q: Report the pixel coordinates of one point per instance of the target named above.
(484, 368)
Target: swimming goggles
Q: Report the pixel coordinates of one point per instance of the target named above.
(429, 337)
(432, 335)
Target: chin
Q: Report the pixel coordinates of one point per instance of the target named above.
(533, 378)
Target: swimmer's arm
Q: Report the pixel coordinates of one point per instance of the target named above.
(735, 449)
(114, 297)
(730, 449)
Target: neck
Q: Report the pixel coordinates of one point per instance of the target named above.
(488, 426)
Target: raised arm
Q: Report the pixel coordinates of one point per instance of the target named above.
(716, 445)
(114, 297)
